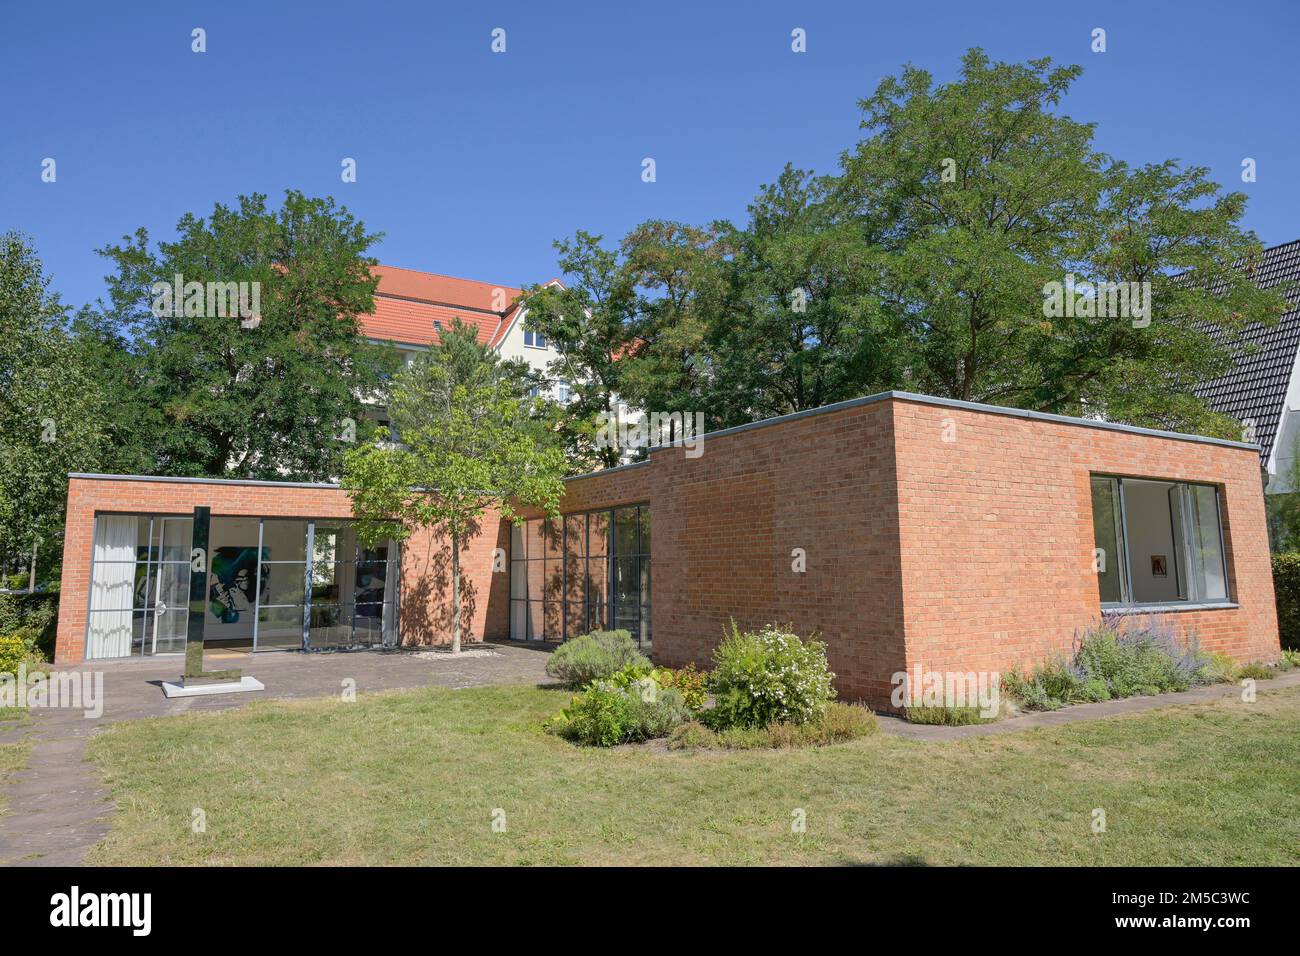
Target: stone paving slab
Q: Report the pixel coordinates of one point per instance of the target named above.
(1068, 715)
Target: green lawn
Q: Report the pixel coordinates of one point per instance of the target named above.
(413, 777)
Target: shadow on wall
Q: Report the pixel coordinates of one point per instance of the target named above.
(426, 615)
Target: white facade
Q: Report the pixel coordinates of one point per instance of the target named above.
(1282, 455)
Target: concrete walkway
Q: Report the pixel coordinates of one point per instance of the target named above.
(58, 806)
(1068, 715)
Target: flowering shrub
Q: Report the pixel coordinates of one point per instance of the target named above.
(1119, 657)
(630, 706)
(13, 651)
(768, 676)
(690, 683)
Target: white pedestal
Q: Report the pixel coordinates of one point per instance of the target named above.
(181, 689)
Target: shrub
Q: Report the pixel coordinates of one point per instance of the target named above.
(687, 681)
(838, 723)
(36, 616)
(1136, 657)
(692, 735)
(846, 722)
(768, 676)
(657, 716)
(947, 716)
(627, 708)
(1289, 660)
(13, 651)
(1049, 686)
(599, 717)
(1216, 667)
(1120, 657)
(1255, 670)
(1286, 586)
(595, 656)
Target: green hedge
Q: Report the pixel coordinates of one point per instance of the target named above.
(34, 617)
(1286, 582)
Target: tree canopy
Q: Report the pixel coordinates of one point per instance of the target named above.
(924, 264)
(52, 408)
(203, 394)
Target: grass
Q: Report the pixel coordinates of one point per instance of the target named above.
(13, 757)
(414, 777)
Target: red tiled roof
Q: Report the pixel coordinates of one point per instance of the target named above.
(408, 303)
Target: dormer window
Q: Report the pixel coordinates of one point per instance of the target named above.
(534, 340)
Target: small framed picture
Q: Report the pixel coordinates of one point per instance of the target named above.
(1159, 569)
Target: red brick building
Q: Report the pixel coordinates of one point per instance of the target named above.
(906, 530)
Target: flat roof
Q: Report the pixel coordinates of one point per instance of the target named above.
(204, 481)
(969, 406)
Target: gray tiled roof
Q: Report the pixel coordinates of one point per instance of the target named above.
(1256, 387)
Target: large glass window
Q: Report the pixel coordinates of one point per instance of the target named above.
(1157, 542)
(272, 584)
(581, 573)
(139, 586)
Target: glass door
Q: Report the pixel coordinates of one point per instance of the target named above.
(170, 586)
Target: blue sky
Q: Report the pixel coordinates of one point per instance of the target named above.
(471, 162)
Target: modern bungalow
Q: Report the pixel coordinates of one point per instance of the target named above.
(907, 531)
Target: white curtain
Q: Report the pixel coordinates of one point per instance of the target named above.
(391, 573)
(112, 587)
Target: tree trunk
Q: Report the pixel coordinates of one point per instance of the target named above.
(455, 592)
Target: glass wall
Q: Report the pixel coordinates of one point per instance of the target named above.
(352, 590)
(580, 573)
(139, 586)
(262, 591)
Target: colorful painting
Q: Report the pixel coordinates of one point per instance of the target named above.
(231, 591)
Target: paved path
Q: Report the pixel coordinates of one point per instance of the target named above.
(58, 806)
(1069, 715)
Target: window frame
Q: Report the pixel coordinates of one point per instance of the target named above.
(1183, 544)
(536, 337)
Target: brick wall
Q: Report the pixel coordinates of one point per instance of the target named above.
(997, 535)
(426, 586)
(967, 555)
(726, 523)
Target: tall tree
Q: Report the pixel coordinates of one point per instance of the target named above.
(589, 320)
(809, 328)
(982, 193)
(923, 264)
(276, 398)
(683, 275)
(52, 409)
(468, 439)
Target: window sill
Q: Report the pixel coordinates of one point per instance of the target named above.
(1168, 608)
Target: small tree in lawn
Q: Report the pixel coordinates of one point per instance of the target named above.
(465, 438)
